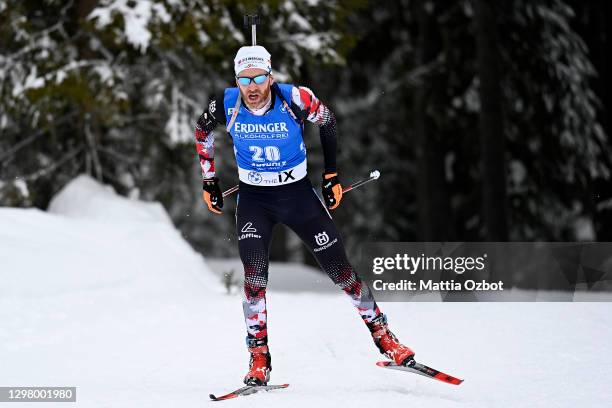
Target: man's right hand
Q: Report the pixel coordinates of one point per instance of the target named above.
(213, 197)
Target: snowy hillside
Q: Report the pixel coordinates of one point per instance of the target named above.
(102, 293)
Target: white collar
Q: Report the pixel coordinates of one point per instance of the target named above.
(263, 109)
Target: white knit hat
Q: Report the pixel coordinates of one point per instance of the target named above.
(254, 56)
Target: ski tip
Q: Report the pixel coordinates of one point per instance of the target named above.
(224, 397)
(424, 370)
(449, 379)
(375, 174)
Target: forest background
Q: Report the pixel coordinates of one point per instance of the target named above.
(488, 120)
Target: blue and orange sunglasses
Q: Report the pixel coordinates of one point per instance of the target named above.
(259, 79)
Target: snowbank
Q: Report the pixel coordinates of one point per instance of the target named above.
(91, 239)
(85, 198)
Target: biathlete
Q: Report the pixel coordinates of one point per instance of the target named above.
(265, 121)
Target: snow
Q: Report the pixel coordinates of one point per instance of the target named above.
(85, 198)
(106, 74)
(584, 230)
(137, 15)
(32, 81)
(22, 187)
(179, 127)
(295, 17)
(102, 293)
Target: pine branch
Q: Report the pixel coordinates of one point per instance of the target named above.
(54, 166)
(118, 156)
(33, 137)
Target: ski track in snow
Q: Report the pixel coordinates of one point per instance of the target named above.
(132, 317)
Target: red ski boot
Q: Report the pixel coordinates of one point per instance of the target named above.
(260, 366)
(387, 343)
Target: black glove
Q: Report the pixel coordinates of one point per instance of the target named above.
(207, 120)
(332, 190)
(213, 197)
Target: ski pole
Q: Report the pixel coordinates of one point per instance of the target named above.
(374, 175)
(230, 191)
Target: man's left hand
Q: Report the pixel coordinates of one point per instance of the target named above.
(332, 190)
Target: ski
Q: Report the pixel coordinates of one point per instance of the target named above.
(247, 390)
(421, 369)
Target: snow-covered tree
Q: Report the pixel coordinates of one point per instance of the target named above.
(113, 88)
(414, 80)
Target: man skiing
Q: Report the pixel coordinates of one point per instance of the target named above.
(265, 121)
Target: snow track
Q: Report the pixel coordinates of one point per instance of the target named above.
(128, 313)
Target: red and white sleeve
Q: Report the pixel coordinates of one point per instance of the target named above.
(205, 146)
(316, 112)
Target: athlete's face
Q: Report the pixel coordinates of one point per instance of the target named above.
(254, 95)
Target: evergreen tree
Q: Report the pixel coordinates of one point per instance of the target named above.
(395, 104)
(113, 88)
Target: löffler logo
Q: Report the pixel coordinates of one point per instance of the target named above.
(248, 232)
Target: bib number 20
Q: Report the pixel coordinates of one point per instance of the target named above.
(271, 153)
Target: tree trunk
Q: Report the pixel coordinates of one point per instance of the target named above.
(493, 165)
(87, 121)
(432, 195)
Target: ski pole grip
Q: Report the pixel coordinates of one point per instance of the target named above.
(252, 20)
